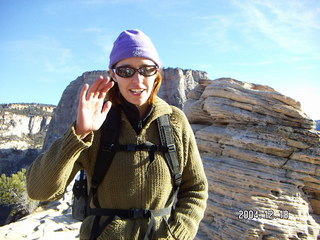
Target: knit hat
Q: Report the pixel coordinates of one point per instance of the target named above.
(133, 43)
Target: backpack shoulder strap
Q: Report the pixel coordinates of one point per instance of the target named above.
(167, 140)
(110, 131)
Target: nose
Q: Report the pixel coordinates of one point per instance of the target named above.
(137, 77)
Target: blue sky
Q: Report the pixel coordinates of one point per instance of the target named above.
(44, 45)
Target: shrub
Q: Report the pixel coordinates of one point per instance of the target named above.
(13, 193)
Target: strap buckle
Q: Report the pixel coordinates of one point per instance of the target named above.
(108, 147)
(171, 147)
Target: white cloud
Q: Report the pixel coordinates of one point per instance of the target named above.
(292, 25)
(217, 31)
(101, 39)
(43, 53)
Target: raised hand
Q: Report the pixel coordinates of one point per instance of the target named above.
(92, 111)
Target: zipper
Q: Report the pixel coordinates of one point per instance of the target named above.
(140, 125)
(141, 174)
(138, 139)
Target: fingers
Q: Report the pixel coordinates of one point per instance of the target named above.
(93, 89)
(106, 107)
(105, 89)
(100, 86)
(84, 92)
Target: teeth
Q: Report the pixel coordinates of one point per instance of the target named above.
(136, 90)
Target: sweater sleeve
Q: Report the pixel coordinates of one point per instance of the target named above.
(49, 175)
(193, 192)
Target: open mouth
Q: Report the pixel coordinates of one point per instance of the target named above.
(137, 90)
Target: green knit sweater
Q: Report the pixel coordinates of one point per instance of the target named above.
(132, 181)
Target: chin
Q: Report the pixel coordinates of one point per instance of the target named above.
(135, 102)
(140, 101)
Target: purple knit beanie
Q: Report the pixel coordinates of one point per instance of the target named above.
(133, 43)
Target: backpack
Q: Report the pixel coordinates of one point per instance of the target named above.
(109, 145)
(80, 197)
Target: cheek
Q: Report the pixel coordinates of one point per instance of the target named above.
(121, 84)
(151, 84)
(122, 88)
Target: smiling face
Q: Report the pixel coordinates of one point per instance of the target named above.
(137, 88)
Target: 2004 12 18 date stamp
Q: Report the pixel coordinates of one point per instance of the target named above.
(265, 214)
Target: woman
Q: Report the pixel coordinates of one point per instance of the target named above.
(132, 181)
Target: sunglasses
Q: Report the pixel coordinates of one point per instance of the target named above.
(127, 71)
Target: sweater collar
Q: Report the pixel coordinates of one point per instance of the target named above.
(132, 111)
(159, 108)
(133, 114)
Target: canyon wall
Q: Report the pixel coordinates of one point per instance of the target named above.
(22, 132)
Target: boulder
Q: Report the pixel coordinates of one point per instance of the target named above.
(261, 155)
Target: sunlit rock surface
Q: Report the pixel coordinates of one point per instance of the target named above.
(262, 156)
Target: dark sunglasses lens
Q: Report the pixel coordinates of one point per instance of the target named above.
(125, 72)
(148, 71)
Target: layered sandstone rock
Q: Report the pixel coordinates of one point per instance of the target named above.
(262, 159)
